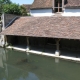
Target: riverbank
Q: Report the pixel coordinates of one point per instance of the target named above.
(66, 57)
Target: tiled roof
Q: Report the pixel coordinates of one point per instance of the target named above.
(55, 27)
(73, 3)
(42, 4)
(49, 3)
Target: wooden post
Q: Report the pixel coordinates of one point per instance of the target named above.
(58, 6)
(53, 4)
(27, 44)
(3, 21)
(57, 52)
(57, 45)
(6, 43)
(62, 5)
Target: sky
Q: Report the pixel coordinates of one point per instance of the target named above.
(22, 1)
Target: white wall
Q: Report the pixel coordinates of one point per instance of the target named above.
(71, 12)
(41, 12)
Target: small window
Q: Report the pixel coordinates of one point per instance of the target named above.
(58, 5)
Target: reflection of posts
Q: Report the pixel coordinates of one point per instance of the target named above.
(6, 70)
(56, 60)
(27, 44)
(57, 52)
(27, 54)
(3, 59)
(32, 76)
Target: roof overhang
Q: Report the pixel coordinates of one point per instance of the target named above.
(52, 27)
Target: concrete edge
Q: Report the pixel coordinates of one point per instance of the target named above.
(44, 54)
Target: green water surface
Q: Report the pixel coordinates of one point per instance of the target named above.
(15, 65)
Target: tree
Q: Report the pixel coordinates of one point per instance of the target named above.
(2, 2)
(5, 2)
(8, 7)
(23, 11)
(12, 9)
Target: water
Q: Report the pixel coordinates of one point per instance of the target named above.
(15, 65)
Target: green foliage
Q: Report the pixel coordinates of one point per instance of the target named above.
(3, 2)
(12, 9)
(23, 11)
(28, 14)
(8, 7)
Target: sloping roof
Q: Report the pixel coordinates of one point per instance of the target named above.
(54, 27)
(73, 3)
(42, 4)
(49, 3)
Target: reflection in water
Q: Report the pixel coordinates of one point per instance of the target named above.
(5, 68)
(32, 76)
(16, 65)
(3, 59)
(56, 60)
(28, 53)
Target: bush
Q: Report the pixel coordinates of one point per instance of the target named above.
(23, 11)
(12, 9)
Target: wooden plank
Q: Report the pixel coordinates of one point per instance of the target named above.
(62, 5)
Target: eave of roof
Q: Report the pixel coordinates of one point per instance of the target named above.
(53, 27)
(39, 4)
(42, 4)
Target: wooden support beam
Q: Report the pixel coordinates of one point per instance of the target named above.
(6, 41)
(63, 5)
(58, 5)
(53, 4)
(27, 44)
(57, 52)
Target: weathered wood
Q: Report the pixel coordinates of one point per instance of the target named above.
(27, 43)
(58, 6)
(53, 4)
(62, 5)
(57, 52)
(6, 43)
